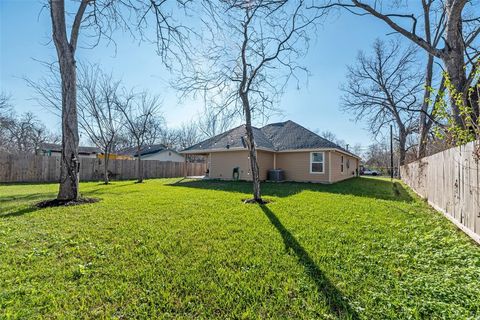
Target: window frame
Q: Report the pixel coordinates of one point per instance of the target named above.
(342, 164)
(322, 162)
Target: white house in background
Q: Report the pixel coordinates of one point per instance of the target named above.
(154, 152)
(55, 150)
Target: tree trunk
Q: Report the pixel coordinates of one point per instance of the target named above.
(454, 54)
(139, 165)
(425, 123)
(105, 166)
(422, 140)
(252, 149)
(65, 52)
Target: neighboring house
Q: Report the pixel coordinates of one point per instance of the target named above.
(303, 155)
(52, 149)
(115, 156)
(154, 152)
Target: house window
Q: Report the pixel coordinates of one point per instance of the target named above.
(316, 162)
(348, 164)
(341, 165)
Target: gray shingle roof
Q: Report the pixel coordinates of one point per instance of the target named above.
(280, 136)
(233, 138)
(149, 149)
(292, 136)
(58, 148)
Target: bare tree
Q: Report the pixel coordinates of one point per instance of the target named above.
(5, 118)
(98, 115)
(433, 30)
(142, 122)
(188, 135)
(122, 141)
(457, 25)
(253, 49)
(385, 88)
(23, 134)
(329, 135)
(377, 156)
(213, 121)
(169, 137)
(182, 137)
(358, 149)
(99, 18)
(4, 101)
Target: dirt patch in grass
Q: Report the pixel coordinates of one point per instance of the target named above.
(61, 203)
(262, 201)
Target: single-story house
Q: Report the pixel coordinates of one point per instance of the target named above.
(52, 149)
(154, 152)
(303, 155)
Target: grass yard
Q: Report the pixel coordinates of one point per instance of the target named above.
(360, 249)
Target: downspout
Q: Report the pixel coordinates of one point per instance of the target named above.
(274, 160)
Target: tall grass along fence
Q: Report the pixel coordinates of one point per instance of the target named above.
(33, 168)
(450, 181)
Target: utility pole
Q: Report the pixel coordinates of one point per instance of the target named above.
(391, 151)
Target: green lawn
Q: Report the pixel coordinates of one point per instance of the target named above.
(360, 249)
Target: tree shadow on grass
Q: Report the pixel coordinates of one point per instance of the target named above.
(107, 188)
(335, 299)
(20, 204)
(361, 187)
(19, 212)
(24, 197)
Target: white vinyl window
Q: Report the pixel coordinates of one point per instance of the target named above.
(317, 162)
(342, 166)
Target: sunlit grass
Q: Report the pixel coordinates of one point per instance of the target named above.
(192, 249)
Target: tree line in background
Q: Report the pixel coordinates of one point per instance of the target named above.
(110, 117)
(423, 80)
(21, 133)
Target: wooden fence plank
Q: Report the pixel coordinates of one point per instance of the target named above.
(449, 180)
(33, 168)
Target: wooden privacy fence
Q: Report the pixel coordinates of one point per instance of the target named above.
(450, 181)
(33, 168)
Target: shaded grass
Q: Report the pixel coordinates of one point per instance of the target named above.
(376, 188)
(357, 249)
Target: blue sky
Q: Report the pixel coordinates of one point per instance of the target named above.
(25, 36)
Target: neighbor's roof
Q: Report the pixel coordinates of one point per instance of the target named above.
(58, 148)
(280, 136)
(150, 149)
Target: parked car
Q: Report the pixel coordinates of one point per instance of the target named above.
(369, 172)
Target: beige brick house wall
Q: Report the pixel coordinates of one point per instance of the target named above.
(265, 163)
(221, 164)
(295, 164)
(336, 167)
(297, 167)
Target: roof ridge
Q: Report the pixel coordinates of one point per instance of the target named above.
(275, 123)
(338, 146)
(278, 136)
